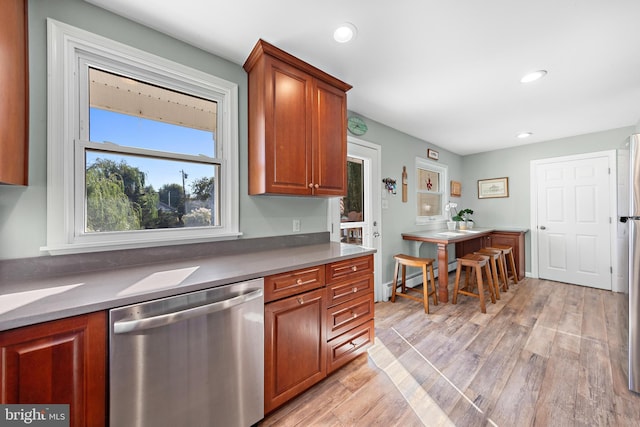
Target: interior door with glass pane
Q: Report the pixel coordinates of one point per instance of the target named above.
(352, 207)
(359, 211)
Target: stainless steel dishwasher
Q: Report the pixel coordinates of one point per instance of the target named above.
(191, 360)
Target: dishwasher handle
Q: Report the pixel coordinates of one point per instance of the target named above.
(125, 326)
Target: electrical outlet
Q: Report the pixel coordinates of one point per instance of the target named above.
(296, 225)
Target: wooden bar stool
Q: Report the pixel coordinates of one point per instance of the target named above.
(507, 252)
(476, 262)
(496, 260)
(423, 263)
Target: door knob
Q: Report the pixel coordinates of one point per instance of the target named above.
(542, 227)
(376, 234)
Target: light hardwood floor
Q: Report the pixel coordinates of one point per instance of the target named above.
(546, 354)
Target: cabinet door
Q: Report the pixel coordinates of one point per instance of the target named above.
(295, 349)
(329, 140)
(14, 83)
(62, 361)
(287, 129)
(469, 246)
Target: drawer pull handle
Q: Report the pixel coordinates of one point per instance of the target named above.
(354, 315)
(300, 300)
(354, 268)
(299, 282)
(354, 345)
(355, 290)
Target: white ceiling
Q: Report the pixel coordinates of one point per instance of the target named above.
(447, 72)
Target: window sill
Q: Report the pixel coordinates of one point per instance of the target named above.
(78, 248)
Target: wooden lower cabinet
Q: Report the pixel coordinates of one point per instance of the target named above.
(58, 362)
(469, 246)
(295, 356)
(515, 239)
(313, 333)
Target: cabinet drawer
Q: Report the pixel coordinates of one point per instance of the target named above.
(349, 268)
(293, 282)
(349, 345)
(348, 315)
(349, 289)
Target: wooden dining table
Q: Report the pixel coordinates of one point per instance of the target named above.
(443, 238)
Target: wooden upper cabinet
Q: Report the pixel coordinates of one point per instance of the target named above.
(297, 126)
(14, 93)
(330, 140)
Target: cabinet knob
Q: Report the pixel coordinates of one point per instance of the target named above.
(354, 315)
(354, 268)
(310, 185)
(317, 186)
(299, 282)
(355, 290)
(300, 300)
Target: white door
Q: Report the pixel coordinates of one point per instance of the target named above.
(355, 219)
(575, 207)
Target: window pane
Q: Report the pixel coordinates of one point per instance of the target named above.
(125, 192)
(351, 235)
(428, 180)
(429, 204)
(128, 112)
(352, 206)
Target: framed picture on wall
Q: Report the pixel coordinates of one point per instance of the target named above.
(456, 188)
(433, 154)
(495, 187)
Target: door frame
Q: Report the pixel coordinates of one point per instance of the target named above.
(613, 203)
(333, 217)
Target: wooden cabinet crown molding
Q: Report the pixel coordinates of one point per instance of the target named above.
(264, 48)
(14, 90)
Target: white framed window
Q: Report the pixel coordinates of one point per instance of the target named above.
(141, 151)
(431, 193)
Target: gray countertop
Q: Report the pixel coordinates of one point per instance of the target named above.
(26, 302)
(446, 236)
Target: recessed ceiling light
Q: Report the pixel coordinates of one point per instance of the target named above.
(522, 135)
(532, 77)
(345, 33)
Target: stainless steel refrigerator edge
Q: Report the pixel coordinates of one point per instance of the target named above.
(629, 214)
(193, 360)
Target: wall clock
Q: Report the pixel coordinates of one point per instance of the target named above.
(356, 125)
